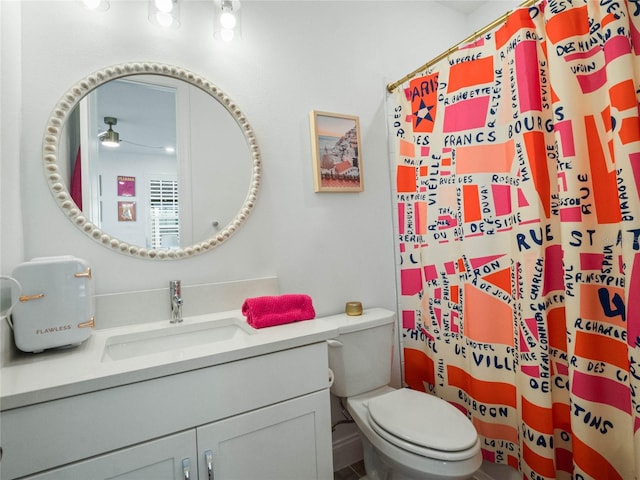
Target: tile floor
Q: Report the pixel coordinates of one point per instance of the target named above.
(352, 472)
(356, 471)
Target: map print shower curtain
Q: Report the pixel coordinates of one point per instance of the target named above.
(518, 177)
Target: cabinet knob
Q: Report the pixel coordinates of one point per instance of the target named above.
(208, 457)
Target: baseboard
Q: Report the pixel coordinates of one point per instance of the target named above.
(347, 451)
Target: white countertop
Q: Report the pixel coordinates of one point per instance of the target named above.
(33, 378)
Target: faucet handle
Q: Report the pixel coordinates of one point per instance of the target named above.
(175, 287)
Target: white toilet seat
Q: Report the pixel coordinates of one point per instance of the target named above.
(423, 424)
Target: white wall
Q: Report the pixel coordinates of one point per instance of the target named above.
(11, 237)
(11, 242)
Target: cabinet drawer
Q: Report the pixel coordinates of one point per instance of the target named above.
(46, 435)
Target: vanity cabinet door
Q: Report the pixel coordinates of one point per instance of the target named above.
(160, 459)
(290, 440)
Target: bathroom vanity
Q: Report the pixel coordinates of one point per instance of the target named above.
(250, 404)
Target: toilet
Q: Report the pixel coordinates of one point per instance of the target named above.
(406, 434)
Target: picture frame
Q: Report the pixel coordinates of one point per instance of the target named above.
(336, 152)
(126, 211)
(126, 186)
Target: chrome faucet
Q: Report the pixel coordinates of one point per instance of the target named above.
(175, 292)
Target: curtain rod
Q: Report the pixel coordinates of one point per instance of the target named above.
(392, 86)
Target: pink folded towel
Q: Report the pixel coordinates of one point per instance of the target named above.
(277, 310)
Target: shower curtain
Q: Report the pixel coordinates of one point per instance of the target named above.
(517, 184)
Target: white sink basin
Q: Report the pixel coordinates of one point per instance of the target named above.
(174, 337)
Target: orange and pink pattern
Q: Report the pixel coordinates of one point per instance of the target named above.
(518, 196)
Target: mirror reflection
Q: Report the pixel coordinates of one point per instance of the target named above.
(155, 165)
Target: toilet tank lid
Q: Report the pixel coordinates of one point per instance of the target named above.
(371, 317)
(423, 419)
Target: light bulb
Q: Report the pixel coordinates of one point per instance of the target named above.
(91, 4)
(227, 34)
(164, 6)
(228, 20)
(98, 5)
(164, 19)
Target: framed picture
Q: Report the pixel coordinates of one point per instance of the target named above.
(126, 211)
(337, 161)
(126, 186)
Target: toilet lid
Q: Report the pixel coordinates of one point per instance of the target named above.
(423, 420)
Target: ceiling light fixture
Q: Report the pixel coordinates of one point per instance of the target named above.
(164, 13)
(110, 138)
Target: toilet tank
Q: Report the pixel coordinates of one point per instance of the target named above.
(361, 355)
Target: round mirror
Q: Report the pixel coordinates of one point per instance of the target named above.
(152, 161)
